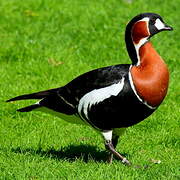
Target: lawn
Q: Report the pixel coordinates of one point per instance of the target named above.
(46, 43)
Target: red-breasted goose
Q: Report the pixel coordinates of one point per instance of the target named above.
(115, 97)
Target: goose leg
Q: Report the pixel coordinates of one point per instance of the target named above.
(114, 143)
(109, 146)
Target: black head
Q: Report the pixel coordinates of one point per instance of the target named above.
(140, 29)
(154, 23)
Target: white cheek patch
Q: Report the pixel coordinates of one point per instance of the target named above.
(159, 24)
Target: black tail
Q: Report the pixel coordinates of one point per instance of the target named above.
(29, 108)
(38, 95)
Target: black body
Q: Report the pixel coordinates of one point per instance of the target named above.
(119, 111)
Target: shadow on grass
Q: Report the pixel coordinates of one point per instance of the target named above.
(70, 153)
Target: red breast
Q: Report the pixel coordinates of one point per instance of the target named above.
(151, 77)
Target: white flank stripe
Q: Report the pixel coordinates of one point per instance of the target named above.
(98, 95)
(133, 88)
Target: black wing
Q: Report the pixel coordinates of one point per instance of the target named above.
(66, 99)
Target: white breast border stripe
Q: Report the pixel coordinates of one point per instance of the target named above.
(134, 90)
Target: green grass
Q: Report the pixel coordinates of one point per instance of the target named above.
(45, 44)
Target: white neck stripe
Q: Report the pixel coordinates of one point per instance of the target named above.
(142, 41)
(137, 47)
